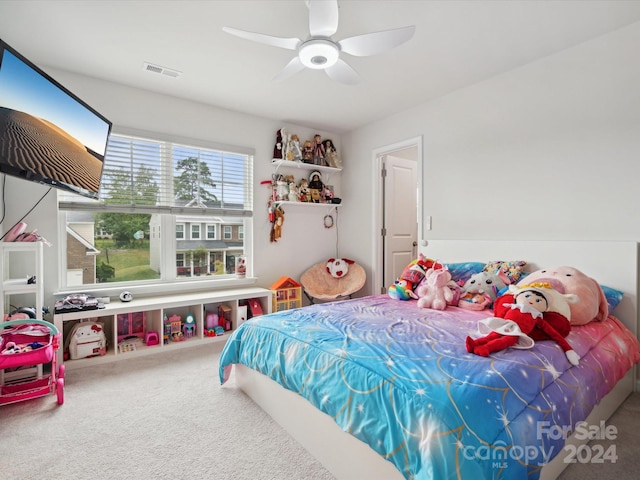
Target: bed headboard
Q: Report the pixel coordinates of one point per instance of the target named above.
(611, 263)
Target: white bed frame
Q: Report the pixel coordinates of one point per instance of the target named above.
(614, 264)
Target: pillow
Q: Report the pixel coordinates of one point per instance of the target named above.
(612, 295)
(462, 271)
(592, 304)
(512, 270)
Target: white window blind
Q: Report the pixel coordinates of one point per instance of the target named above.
(149, 176)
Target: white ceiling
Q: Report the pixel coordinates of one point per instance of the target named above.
(457, 43)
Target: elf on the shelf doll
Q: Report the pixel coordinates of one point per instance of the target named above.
(524, 314)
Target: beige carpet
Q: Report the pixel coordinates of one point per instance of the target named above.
(166, 416)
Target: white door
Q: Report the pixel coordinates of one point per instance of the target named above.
(400, 213)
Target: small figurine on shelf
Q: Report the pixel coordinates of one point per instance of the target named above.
(331, 154)
(304, 194)
(316, 186)
(327, 193)
(279, 187)
(293, 192)
(318, 150)
(315, 180)
(307, 152)
(278, 147)
(293, 152)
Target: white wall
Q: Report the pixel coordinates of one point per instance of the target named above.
(548, 151)
(305, 241)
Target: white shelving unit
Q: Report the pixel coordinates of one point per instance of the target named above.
(155, 309)
(21, 260)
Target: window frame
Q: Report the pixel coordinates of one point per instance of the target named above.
(168, 224)
(183, 231)
(207, 236)
(195, 227)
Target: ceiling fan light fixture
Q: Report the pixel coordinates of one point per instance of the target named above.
(318, 54)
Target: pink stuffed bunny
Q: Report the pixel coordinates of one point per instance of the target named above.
(433, 291)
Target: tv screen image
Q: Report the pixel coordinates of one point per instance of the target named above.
(47, 134)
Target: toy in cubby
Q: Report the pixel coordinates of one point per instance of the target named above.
(211, 322)
(224, 317)
(173, 328)
(189, 326)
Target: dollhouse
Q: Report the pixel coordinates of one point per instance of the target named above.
(286, 294)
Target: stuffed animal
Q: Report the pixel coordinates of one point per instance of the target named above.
(523, 315)
(401, 291)
(412, 275)
(338, 267)
(592, 304)
(434, 291)
(276, 227)
(481, 290)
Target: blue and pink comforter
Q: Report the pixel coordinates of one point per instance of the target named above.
(400, 379)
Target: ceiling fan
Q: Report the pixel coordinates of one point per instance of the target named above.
(319, 51)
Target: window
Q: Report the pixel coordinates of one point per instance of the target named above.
(150, 186)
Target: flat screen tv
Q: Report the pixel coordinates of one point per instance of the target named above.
(47, 134)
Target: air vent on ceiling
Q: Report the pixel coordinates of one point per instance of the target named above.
(150, 67)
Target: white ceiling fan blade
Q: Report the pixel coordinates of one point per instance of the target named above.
(288, 43)
(323, 17)
(377, 42)
(343, 73)
(293, 67)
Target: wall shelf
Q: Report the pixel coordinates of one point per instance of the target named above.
(277, 163)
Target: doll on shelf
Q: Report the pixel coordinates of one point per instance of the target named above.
(293, 152)
(318, 150)
(331, 157)
(307, 152)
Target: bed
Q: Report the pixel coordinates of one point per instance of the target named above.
(377, 388)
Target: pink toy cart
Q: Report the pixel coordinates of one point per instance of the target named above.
(30, 343)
